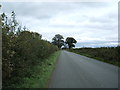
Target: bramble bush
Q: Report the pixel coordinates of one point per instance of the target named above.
(21, 50)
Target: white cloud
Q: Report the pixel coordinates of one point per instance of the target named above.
(86, 22)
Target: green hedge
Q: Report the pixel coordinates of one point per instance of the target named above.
(21, 51)
(106, 54)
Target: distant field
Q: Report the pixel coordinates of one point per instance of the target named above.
(106, 54)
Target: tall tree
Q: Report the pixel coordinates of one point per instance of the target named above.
(70, 41)
(14, 22)
(58, 40)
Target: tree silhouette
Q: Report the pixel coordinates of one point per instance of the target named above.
(70, 41)
(58, 40)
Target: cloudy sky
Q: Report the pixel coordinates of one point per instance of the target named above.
(92, 24)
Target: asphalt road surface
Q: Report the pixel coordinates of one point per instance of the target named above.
(76, 71)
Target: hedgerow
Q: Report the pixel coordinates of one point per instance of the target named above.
(21, 50)
(106, 54)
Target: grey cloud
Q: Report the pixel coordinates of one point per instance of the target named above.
(101, 26)
(103, 20)
(98, 26)
(39, 10)
(28, 9)
(48, 9)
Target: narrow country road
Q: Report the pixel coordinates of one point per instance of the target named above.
(76, 71)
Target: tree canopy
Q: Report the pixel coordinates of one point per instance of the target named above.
(70, 41)
(58, 40)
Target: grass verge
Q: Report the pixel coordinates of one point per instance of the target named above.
(42, 75)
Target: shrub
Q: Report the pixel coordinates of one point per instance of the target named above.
(21, 50)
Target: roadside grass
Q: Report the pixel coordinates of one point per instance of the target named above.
(116, 63)
(41, 73)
